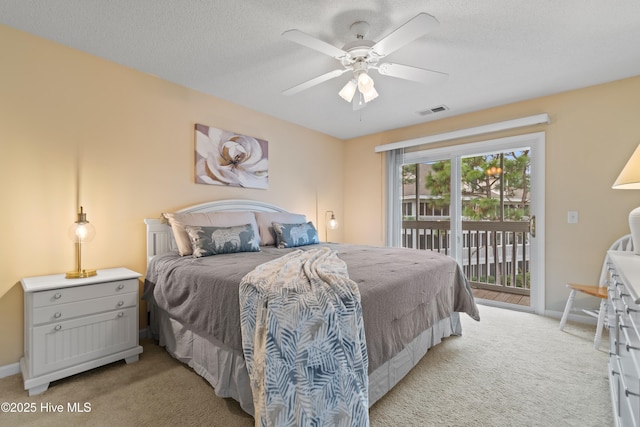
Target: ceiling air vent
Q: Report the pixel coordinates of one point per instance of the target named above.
(433, 110)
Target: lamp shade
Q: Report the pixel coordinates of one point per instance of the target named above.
(629, 179)
(82, 231)
(333, 222)
(348, 90)
(370, 95)
(358, 101)
(365, 82)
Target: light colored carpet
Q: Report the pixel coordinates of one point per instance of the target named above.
(509, 369)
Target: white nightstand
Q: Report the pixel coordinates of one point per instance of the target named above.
(73, 325)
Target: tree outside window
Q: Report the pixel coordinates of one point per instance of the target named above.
(486, 181)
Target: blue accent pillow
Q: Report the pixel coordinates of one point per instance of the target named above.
(207, 241)
(292, 235)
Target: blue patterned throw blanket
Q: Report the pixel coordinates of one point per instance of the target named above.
(303, 341)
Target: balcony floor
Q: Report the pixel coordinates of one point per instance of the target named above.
(524, 300)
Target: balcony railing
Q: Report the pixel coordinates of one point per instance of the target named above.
(495, 254)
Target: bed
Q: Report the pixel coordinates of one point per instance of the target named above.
(195, 314)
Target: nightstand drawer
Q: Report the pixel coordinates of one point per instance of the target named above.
(60, 312)
(63, 344)
(80, 293)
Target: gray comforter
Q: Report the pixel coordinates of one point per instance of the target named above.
(403, 291)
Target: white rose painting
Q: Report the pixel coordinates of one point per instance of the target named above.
(227, 158)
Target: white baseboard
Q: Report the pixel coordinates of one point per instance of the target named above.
(574, 316)
(8, 370)
(578, 318)
(14, 368)
(500, 304)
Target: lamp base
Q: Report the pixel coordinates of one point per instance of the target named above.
(78, 274)
(634, 226)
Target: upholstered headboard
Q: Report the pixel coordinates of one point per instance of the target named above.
(160, 238)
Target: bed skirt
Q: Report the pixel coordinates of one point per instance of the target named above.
(225, 368)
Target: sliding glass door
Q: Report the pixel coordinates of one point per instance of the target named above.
(483, 204)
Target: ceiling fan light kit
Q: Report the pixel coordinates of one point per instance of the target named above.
(370, 94)
(363, 85)
(358, 101)
(361, 55)
(348, 90)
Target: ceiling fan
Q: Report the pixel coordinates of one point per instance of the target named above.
(363, 55)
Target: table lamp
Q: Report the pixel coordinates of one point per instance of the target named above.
(80, 232)
(629, 179)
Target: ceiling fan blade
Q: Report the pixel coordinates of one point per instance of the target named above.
(420, 75)
(305, 39)
(315, 81)
(414, 28)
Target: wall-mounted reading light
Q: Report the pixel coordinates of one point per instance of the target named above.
(332, 224)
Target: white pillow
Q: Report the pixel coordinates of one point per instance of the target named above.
(178, 221)
(264, 219)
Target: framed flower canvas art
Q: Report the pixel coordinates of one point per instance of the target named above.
(228, 158)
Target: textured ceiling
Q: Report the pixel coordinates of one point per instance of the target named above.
(495, 51)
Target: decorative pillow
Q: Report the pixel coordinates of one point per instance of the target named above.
(292, 235)
(178, 221)
(265, 228)
(207, 241)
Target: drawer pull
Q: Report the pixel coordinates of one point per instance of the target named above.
(630, 347)
(57, 315)
(58, 295)
(120, 286)
(58, 327)
(120, 314)
(629, 309)
(120, 303)
(627, 393)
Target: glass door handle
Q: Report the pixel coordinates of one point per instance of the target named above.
(532, 226)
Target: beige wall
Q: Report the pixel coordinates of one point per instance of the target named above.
(593, 132)
(133, 135)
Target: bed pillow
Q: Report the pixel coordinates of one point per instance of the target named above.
(207, 241)
(178, 221)
(292, 235)
(265, 227)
